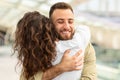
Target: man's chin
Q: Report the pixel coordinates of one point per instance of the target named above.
(65, 37)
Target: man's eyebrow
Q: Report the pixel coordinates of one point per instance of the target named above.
(59, 19)
(71, 19)
(63, 19)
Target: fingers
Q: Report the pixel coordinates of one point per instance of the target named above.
(78, 53)
(74, 62)
(79, 67)
(80, 62)
(67, 52)
(80, 58)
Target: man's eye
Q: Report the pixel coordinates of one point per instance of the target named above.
(60, 22)
(70, 22)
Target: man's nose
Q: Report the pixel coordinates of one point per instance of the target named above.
(66, 25)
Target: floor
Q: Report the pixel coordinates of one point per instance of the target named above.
(8, 69)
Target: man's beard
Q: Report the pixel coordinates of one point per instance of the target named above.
(63, 38)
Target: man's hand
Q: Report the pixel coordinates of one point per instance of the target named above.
(70, 63)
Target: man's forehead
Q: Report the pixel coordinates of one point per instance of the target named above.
(62, 12)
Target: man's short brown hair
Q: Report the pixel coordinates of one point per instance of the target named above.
(59, 5)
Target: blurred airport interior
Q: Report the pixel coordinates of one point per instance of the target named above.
(102, 17)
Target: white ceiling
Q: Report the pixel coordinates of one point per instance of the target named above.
(12, 10)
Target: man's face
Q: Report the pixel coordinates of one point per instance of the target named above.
(64, 23)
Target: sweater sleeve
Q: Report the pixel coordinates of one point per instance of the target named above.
(89, 70)
(38, 76)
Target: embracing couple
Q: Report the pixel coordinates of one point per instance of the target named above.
(53, 48)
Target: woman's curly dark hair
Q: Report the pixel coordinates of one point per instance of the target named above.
(35, 43)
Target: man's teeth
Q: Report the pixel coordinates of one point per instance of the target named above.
(65, 32)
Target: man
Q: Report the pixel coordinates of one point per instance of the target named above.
(61, 14)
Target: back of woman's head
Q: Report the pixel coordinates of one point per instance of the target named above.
(35, 43)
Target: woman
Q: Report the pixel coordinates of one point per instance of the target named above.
(35, 43)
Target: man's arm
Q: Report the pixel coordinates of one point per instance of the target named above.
(49, 74)
(89, 69)
(68, 63)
